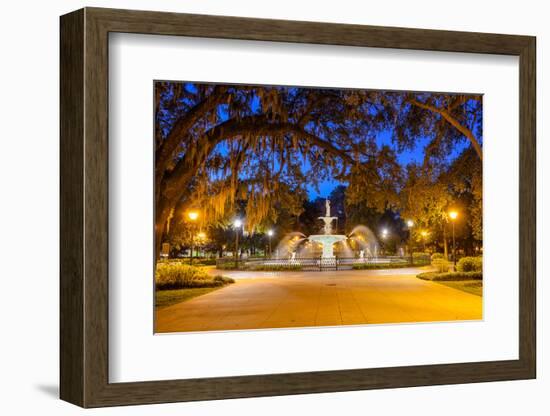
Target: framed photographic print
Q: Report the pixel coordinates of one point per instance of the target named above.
(256, 207)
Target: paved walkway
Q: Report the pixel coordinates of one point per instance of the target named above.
(302, 299)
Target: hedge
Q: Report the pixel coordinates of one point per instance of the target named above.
(179, 276)
(275, 267)
(376, 266)
(451, 276)
(197, 261)
(227, 265)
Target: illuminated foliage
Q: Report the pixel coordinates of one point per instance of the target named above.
(251, 150)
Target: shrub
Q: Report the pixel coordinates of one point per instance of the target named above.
(276, 267)
(451, 276)
(223, 279)
(470, 264)
(227, 265)
(178, 276)
(375, 266)
(197, 261)
(421, 259)
(205, 262)
(438, 256)
(244, 265)
(441, 265)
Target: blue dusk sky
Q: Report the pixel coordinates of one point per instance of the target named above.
(405, 157)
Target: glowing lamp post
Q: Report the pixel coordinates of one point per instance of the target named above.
(237, 224)
(454, 215)
(424, 234)
(410, 224)
(201, 237)
(193, 217)
(384, 235)
(269, 235)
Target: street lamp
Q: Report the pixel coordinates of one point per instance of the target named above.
(410, 224)
(384, 236)
(269, 235)
(201, 237)
(193, 217)
(237, 224)
(424, 234)
(453, 215)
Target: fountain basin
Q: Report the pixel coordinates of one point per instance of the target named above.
(327, 242)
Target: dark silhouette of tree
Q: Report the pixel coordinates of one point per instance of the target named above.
(218, 146)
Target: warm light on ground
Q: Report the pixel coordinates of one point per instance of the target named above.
(302, 299)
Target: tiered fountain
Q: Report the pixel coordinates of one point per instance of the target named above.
(327, 240)
(301, 249)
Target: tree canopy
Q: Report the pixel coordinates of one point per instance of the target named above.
(254, 151)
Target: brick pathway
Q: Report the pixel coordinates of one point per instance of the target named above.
(302, 299)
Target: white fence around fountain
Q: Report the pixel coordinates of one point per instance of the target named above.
(317, 263)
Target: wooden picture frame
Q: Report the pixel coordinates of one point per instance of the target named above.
(84, 207)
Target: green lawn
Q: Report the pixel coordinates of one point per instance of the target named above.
(475, 287)
(165, 298)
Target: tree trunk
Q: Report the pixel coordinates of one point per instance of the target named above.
(162, 213)
(445, 248)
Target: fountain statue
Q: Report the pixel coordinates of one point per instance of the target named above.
(327, 219)
(327, 239)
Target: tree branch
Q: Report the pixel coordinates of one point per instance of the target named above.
(169, 146)
(453, 122)
(187, 167)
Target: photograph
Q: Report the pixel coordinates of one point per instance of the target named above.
(283, 206)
